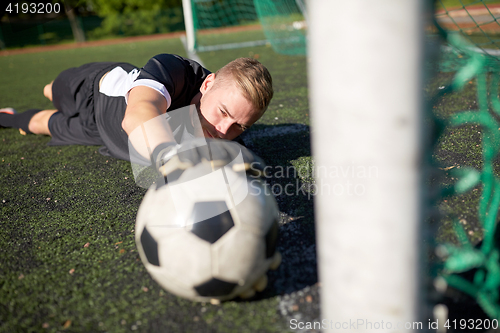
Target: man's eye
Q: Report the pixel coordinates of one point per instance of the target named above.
(223, 112)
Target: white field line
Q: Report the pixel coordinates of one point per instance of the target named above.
(491, 52)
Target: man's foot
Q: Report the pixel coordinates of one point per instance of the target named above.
(12, 112)
(8, 111)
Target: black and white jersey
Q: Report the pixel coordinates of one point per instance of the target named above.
(178, 79)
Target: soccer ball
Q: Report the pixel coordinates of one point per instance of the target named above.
(210, 235)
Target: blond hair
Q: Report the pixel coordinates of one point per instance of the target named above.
(252, 79)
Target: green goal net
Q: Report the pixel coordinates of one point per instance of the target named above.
(471, 32)
(226, 24)
(475, 20)
(223, 24)
(284, 23)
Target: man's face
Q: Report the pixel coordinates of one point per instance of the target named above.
(224, 112)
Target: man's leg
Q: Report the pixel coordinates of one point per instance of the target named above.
(47, 91)
(39, 123)
(34, 121)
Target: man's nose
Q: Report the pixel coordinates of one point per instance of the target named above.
(224, 126)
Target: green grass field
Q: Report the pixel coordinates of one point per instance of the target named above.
(68, 259)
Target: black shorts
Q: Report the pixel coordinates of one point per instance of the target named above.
(73, 97)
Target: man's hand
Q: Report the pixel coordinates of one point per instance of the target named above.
(144, 106)
(172, 160)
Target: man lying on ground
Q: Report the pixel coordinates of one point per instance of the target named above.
(103, 103)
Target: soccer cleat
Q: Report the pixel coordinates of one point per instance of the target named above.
(8, 110)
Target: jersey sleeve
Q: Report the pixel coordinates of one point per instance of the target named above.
(159, 87)
(173, 76)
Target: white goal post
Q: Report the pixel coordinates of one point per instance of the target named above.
(365, 64)
(192, 42)
(189, 25)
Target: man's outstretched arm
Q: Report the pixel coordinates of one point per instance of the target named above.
(144, 105)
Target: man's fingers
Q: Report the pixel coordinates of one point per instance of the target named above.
(218, 153)
(173, 164)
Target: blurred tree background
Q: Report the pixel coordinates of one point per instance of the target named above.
(81, 20)
(137, 17)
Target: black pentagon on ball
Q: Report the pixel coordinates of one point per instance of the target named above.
(215, 287)
(216, 226)
(272, 239)
(150, 247)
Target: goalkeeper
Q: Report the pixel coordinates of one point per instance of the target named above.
(103, 103)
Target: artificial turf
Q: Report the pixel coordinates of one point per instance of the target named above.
(68, 259)
(458, 147)
(67, 253)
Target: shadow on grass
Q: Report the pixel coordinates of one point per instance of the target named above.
(280, 146)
